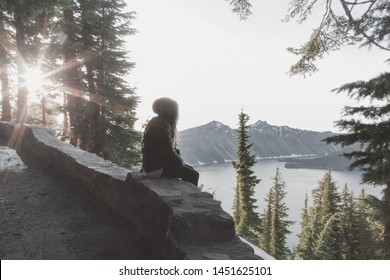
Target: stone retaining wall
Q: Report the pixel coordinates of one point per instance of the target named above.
(174, 218)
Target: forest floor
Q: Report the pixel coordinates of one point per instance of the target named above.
(45, 216)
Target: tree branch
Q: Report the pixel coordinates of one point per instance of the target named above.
(357, 26)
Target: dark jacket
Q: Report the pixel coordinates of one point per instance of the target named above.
(157, 146)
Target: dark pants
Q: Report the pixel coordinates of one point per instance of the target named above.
(184, 171)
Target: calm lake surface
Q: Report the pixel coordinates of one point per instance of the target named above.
(221, 179)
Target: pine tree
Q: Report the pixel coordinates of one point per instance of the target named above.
(248, 224)
(330, 196)
(26, 22)
(328, 244)
(311, 232)
(349, 222)
(21, 15)
(367, 248)
(303, 247)
(74, 106)
(80, 46)
(342, 229)
(266, 224)
(236, 206)
(321, 230)
(279, 223)
(369, 125)
(111, 109)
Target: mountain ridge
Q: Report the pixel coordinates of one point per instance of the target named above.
(215, 142)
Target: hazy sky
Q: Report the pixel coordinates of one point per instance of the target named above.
(199, 53)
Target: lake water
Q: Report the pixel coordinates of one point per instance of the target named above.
(221, 179)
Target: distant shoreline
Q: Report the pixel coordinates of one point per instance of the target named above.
(333, 162)
(279, 158)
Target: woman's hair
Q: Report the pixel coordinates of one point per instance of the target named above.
(169, 110)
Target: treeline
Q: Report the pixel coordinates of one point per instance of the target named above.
(337, 226)
(78, 46)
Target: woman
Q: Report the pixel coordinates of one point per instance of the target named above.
(160, 158)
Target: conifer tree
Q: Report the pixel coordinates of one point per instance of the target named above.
(367, 247)
(350, 226)
(266, 224)
(337, 227)
(20, 17)
(321, 230)
(68, 46)
(358, 240)
(369, 126)
(86, 59)
(311, 232)
(111, 110)
(329, 241)
(327, 246)
(236, 206)
(21, 32)
(279, 222)
(249, 221)
(305, 213)
(330, 196)
(304, 246)
(309, 235)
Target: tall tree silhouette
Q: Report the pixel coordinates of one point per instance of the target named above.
(247, 221)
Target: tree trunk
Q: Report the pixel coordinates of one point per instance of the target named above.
(65, 130)
(89, 60)
(21, 103)
(71, 99)
(43, 104)
(99, 112)
(6, 105)
(386, 215)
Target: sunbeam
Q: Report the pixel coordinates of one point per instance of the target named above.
(35, 79)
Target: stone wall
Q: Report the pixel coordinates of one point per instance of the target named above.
(174, 218)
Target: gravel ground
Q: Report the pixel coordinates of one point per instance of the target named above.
(45, 216)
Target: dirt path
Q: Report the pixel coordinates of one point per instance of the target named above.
(44, 216)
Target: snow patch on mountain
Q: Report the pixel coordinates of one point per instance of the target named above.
(216, 142)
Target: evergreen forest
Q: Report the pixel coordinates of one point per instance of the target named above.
(63, 64)
(337, 225)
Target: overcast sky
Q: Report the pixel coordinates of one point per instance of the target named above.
(199, 53)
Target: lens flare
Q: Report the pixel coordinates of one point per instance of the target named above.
(34, 79)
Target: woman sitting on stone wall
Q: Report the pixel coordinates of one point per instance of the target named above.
(160, 158)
